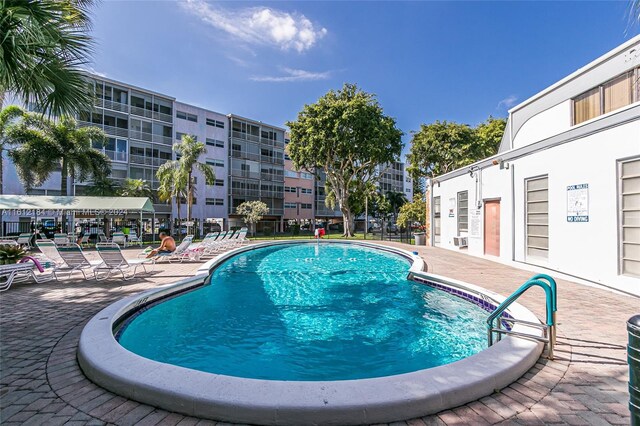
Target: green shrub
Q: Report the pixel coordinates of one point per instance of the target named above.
(10, 254)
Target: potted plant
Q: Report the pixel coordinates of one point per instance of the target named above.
(10, 254)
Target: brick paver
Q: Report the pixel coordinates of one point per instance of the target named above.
(41, 383)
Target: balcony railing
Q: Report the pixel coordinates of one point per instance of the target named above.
(144, 136)
(245, 136)
(274, 160)
(114, 106)
(245, 155)
(272, 194)
(245, 174)
(116, 131)
(116, 155)
(271, 142)
(272, 177)
(165, 140)
(147, 161)
(162, 117)
(142, 112)
(238, 192)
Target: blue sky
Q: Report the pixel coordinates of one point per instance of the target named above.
(426, 61)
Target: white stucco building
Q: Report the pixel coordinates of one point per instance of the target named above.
(563, 192)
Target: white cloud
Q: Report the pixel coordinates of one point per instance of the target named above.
(259, 25)
(294, 75)
(507, 102)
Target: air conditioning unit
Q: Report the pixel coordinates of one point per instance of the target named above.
(460, 241)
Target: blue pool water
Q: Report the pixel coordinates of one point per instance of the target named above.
(309, 312)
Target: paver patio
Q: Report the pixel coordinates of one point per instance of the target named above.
(41, 383)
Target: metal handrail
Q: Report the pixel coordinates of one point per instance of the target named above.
(549, 286)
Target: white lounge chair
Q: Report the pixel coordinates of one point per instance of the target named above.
(8, 243)
(25, 240)
(119, 238)
(21, 271)
(84, 241)
(177, 253)
(74, 260)
(61, 239)
(50, 252)
(133, 238)
(114, 261)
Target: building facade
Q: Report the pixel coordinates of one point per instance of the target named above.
(563, 192)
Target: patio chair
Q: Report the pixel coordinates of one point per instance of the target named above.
(49, 252)
(25, 240)
(8, 243)
(20, 272)
(133, 238)
(61, 239)
(113, 261)
(84, 241)
(119, 238)
(177, 253)
(74, 260)
(101, 238)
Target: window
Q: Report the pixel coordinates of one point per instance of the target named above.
(305, 175)
(436, 219)
(305, 206)
(537, 217)
(290, 205)
(609, 96)
(408, 180)
(215, 123)
(463, 211)
(186, 116)
(214, 201)
(215, 163)
(215, 142)
(218, 182)
(179, 136)
(290, 174)
(291, 189)
(305, 190)
(629, 172)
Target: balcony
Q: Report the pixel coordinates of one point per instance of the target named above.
(116, 131)
(116, 156)
(168, 118)
(272, 194)
(142, 112)
(239, 192)
(274, 160)
(147, 161)
(245, 174)
(245, 136)
(165, 140)
(114, 106)
(245, 155)
(271, 142)
(272, 177)
(143, 136)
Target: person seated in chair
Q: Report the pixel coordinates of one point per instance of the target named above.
(168, 245)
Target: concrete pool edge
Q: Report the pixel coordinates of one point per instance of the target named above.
(235, 399)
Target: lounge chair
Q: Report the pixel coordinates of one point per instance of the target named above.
(177, 253)
(61, 239)
(101, 238)
(114, 261)
(8, 243)
(25, 240)
(50, 252)
(133, 238)
(84, 241)
(22, 271)
(119, 238)
(74, 260)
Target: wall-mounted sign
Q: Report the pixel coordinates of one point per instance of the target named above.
(474, 223)
(578, 203)
(452, 206)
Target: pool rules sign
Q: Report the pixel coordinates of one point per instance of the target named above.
(578, 203)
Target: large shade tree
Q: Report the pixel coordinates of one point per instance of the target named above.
(252, 212)
(43, 45)
(346, 134)
(8, 117)
(45, 145)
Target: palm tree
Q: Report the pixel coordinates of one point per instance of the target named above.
(396, 200)
(7, 117)
(46, 145)
(190, 150)
(102, 186)
(173, 184)
(43, 45)
(136, 188)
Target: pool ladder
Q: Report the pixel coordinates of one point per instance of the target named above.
(494, 327)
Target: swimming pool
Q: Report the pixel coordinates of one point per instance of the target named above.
(305, 399)
(309, 312)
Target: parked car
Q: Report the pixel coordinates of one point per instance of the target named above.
(336, 227)
(376, 228)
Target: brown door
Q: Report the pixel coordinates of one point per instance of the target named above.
(492, 227)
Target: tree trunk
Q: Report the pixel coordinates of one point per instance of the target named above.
(63, 178)
(189, 200)
(179, 218)
(1, 168)
(347, 222)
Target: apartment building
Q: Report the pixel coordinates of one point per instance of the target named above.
(563, 192)
(256, 159)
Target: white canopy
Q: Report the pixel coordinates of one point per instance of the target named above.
(83, 205)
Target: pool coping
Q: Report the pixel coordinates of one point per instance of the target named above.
(241, 400)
